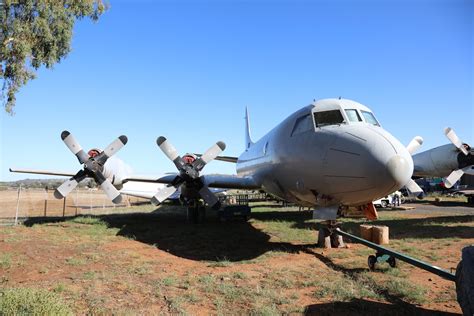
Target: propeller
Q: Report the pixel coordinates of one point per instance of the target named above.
(453, 138)
(415, 144)
(93, 167)
(466, 161)
(412, 186)
(188, 176)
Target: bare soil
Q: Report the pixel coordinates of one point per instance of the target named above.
(155, 262)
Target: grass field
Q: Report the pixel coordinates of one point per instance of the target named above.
(38, 202)
(153, 262)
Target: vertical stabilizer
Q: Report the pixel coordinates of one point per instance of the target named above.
(248, 137)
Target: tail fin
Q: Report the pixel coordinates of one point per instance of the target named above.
(248, 137)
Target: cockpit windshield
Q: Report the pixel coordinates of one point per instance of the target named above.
(370, 118)
(353, 115)
(325, 118)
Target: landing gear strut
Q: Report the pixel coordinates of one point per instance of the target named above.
(196, 212)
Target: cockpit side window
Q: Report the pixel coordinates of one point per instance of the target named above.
(353, 115)
(370, 118)
(303, 124)
(325, 118)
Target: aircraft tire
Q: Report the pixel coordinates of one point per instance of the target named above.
(392, 262)
(371, 260)
(465, 281)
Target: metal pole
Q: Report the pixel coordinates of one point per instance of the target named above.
(17, 205)
(417, 263)
(64, 206)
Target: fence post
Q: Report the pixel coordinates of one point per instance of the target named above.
(64, 206)
(17, 205)
(46, 201)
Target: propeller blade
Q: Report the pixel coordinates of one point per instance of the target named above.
(112, 193)
(64, 189)
(415, 189)
(450, 180)
(469, 170)
(451, 135)
(415, 144)
(74, 146)
(209, 155)
(169, 150)
(163, 194)
(210, 198)
(115, 146)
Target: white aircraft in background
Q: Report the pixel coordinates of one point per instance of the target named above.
(446, 161)
(330, 155)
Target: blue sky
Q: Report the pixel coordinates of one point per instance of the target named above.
(186, 70)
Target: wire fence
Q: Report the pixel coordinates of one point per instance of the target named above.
(19, 204)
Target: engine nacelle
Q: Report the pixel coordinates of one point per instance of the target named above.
(436, 162)
(116, 171)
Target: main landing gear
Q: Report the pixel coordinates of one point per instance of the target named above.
(196, 212)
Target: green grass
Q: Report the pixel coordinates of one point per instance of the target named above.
(5, 261)
(221, 262)
(31, 301)
(88, 220)
(286, 233)
(89, 275)
(75, 261)
(406, 290)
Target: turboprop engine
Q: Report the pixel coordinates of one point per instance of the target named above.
(446, 161)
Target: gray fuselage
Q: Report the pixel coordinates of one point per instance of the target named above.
(318, 157)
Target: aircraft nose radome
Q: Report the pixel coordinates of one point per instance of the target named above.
(400, 170)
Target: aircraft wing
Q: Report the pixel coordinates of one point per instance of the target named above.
(230, 182)
(45, 172)
(224, 158)
(166, 179)
(221, 181)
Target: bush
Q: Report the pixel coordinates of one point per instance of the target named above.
(30, 301)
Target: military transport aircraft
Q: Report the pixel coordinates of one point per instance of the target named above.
(446, 161)
(330, 155)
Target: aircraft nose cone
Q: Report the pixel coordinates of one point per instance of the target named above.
(399, 169)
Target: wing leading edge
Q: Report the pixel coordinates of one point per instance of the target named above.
(222, 181)
(45, 172)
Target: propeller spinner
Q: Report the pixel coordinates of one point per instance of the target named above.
(188, 177)
(93, 167)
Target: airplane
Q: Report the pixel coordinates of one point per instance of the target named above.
(450, 161)
(330, 155)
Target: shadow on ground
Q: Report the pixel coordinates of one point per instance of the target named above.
(236, 240)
